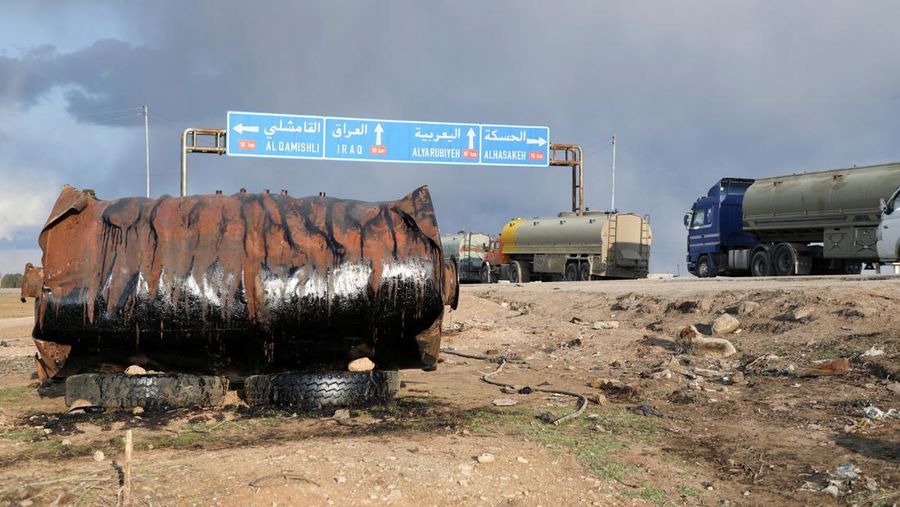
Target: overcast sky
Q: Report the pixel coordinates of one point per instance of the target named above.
(694, 91)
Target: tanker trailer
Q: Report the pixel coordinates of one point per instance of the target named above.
(468, 250)
(238, 284)
(799, 224)
(574, 246)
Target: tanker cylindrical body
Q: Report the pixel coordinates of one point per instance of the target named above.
(601, 244)
(239, 284)
(799, 207)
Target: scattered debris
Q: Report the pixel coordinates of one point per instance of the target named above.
(582, 399)
(645, 410)
(839, 366)
(872, 352)
(876, 414)
(504, 402)
(894, 387)
(696, 344)
(615, 388)
(846, 472)
(606, 324)
(576, 342)
(520, 459)
(725, 324)
(341, 414)
(832, 490)
(858, 312)
(99, 456)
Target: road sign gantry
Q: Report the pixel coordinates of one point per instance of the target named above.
(374, 140)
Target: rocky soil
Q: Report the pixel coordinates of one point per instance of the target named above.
(700, 392)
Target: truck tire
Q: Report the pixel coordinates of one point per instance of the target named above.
(704, 270)
(518, 272)
(572, 272)
(760, 264)
(151, 392)
(785, 260)
(852, 268)
(584, 272)
(310, 391)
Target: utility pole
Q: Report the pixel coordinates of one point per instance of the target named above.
(613, 208)
(147, 144)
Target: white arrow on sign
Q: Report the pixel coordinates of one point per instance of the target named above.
(378, 132)
(240, 128)
(539, 141)
(471, 135)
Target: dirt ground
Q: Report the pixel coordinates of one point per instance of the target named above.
(663, 426)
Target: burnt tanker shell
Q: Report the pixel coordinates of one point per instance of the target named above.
(239, 284)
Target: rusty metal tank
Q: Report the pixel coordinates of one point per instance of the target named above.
(238, 284)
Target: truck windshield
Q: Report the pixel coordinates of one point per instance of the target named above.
(892, 202)
(700, 218)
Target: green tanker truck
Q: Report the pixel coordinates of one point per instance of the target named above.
(800, 224)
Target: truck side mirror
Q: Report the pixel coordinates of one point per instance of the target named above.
(687, 219)
(882, 204)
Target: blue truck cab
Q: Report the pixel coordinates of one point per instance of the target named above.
(715, 227)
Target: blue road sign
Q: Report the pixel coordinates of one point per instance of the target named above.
(362, 139)
(515, 145)
(275, 135)
(402, 141)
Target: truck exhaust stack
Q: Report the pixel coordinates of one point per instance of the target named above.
(239, 284)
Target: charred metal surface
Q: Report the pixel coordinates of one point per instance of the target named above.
(240, 284)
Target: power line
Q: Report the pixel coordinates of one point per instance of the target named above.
(112, 111)
(101, 121)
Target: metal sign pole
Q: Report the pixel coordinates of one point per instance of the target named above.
(147, 144)
(189, 145)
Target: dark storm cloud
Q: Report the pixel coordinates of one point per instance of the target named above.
(694, 90)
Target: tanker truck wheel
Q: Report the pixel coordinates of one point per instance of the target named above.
(572, 272)
(518, 272)
(310, 391)
(760, 265)
(584, 272)
(151, 392)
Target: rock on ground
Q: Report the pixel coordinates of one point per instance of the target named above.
(135, 370)
(725, 324)
(801, 314)
(361, 364)
(747, 307)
